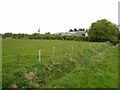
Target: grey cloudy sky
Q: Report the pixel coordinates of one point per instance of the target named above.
(26, 16)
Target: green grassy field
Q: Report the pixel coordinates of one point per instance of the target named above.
(75, 64)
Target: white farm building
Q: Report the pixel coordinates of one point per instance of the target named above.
(77, 33)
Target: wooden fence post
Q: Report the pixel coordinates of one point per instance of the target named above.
(54, 52)
(39, 53)
(71, 57)
(72, 49)
(53, 61)
(18, 59)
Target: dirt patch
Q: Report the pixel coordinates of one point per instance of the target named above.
(29, 76)
(13, 85)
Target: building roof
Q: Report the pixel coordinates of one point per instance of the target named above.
(77, 33)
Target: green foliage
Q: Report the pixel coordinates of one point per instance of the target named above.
(47, 33)
(15, 36)
(7, 35)
(114, 40)
(103, 30)
(47, 36)
(119, 36)
(58, 37)
(100, 72)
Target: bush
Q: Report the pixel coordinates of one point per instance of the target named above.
(103, 30)
(114, 40)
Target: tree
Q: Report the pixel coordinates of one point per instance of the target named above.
(103, 30)
(83, 29)
(119, 36)
(47, 33)
(80, 29)
(70, 30)
(75, 29)
(7, 35)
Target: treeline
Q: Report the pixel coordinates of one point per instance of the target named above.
(15, 36)
(45, 36)
(58, 37)
(53, 37)
(80, 29)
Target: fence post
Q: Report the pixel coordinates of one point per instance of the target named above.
(53, 55)
(18, 59)
(53, 52)
(39, 53)
(72, 49)
(71, 57)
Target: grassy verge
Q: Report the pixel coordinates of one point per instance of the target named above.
(101, 71)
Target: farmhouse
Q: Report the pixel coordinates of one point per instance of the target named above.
(75, 33)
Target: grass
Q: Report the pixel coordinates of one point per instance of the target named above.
(87, 65)
(100, 72)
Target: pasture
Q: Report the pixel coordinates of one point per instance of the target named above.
(74, 64)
